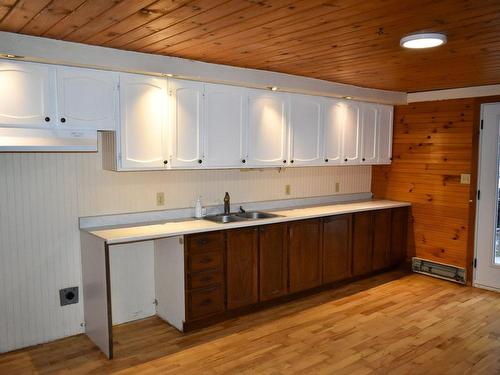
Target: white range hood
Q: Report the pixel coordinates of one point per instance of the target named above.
(47, 140)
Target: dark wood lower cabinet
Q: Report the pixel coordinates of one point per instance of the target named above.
(362, 243)
(399, 233)
(242, 283)
(381, 239)
(304, 254)
(273, 261)
(337, 248)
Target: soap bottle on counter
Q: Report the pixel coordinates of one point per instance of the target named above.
(198, 209)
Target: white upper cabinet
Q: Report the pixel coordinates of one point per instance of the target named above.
(224, 126)
(351, 139)
(266, 128)
(305, 130)
(385, 134)
(26, 92)
(143, 103)
(87, 99)
(369, 133)
(186, 123)
(332, 135)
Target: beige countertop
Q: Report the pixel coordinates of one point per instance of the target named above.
(180, 227)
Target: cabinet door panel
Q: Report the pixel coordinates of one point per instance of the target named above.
(369, 133)
(362, 246)
(87, 99)
(266, 129)
(351, 140)
(306, 127)
(304, 249)
(224, 126)
(337, 250)
(333, 126)
(187, 98)
(273, 261)
(143, 121)
(385, 134)
(399, 230)
(242, 267)
(27, 94)
(381, 239)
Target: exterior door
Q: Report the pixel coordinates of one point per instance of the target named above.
(187, 100)
(87, 99)
(487, 272)
(305, 130)
(266, 129)
(333, 126)
(351, 139)
(143, 101)
(27, 94)
(225, 126)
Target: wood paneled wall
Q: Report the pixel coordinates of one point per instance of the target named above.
(433, 145)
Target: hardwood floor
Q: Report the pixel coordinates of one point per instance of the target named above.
(394, 323)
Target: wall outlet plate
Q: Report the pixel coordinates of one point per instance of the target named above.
(160, 199)
(68, 296)
(465, 178)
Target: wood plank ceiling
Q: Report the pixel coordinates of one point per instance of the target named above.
(348, 41)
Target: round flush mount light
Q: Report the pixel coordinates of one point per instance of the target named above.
(423, 40)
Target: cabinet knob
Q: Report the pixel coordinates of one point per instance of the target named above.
(284, 161)
(200, 161)
(345, 159)
(326, 160)
(63, 119)
(165, 162)
(47, 119)
(243, 161)
(291, 161)
(364, 159)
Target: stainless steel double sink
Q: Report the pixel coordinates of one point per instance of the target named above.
(240, 216)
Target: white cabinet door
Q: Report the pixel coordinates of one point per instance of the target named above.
(266, 129)
(385, 134)
(305, 130)
(143, 102)
(224, 126)
(26, 94)
(332, 135)
(86, 98)
(369, 134)
(186, 121)
(351, 139)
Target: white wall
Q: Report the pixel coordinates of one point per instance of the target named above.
(42, 196)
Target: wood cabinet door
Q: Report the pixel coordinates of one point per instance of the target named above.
(142, 122)
(362, 243)
(225, 126)
(337, 249)
(266, 128)
(332, 133)
(242, 267)
(186, 122)
(87, 98)
(273, 262)
(399, 232)
(381, 239)
(304, 254)
(369, 133)
(351, 139)
(27, 94)
(385, 134)
(305, 130)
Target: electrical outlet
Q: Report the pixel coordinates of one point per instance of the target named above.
(68, 296)
(288, 189)
(337, 187)
(160, 199)
(465, 178)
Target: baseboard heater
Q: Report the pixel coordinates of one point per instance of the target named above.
(439, 270)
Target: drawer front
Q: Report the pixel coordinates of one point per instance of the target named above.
(205, 262)
(205, 242)
(205, 279)
(206, 302)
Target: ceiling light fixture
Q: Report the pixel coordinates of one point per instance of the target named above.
(170, 75)
(273, 88)
(423, 40)
(347, 97)
(10, 56)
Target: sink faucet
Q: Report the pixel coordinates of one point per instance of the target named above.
(227, 204)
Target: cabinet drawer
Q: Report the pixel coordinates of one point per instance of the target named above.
(205, 262)
(205, 242)
(205, 279)
(206, 302)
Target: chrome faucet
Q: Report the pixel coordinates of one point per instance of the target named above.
(227, 204)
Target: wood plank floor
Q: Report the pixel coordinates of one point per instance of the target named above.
(394, 323)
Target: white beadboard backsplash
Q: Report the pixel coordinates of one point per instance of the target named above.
(43, 195)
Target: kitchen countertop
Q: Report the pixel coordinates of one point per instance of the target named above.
(147, 232)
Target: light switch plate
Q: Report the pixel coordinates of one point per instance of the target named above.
(465, 178)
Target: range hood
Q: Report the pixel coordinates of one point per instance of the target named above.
(47, 140)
